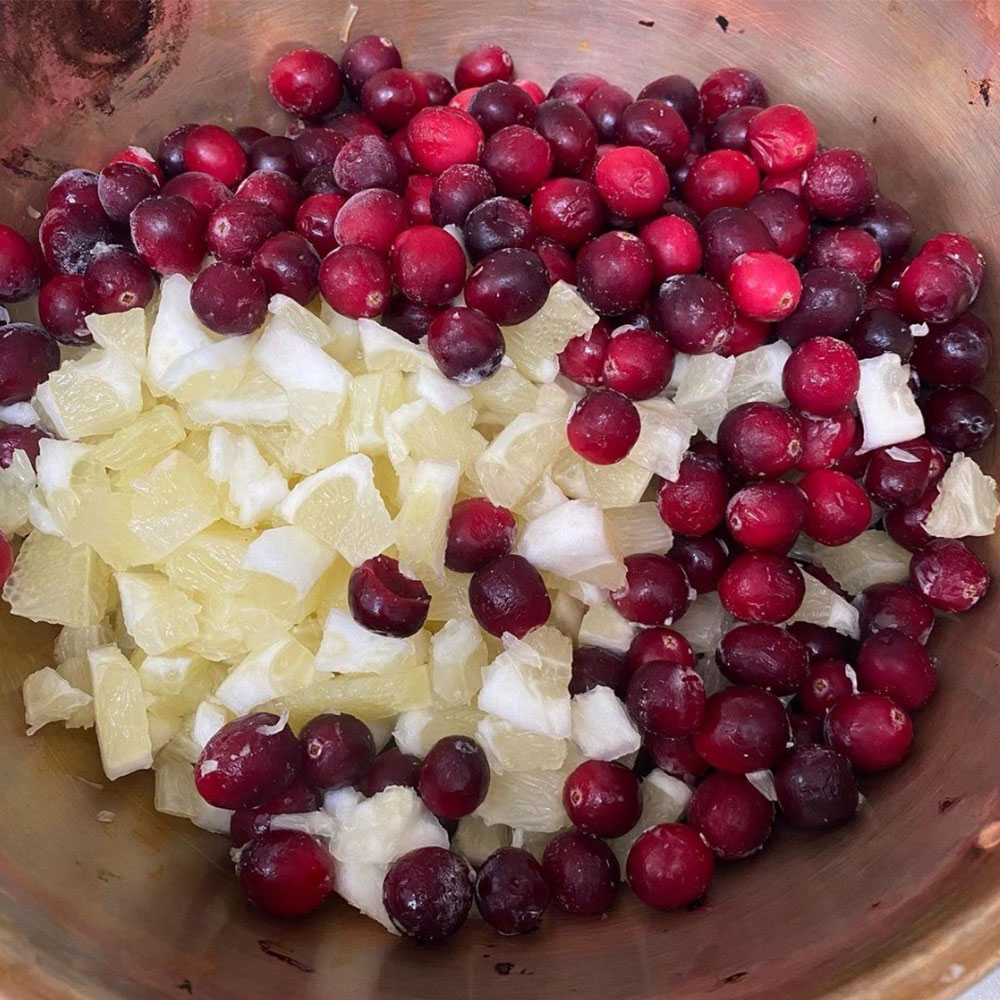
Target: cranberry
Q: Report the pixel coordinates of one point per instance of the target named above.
(656, 126)
(168, 233)
(724, 177)
(632, 181)
(483, 65)
(238, 228)
(905, 525)
(229, 299)
(317, 147)
(67, 235)
(821, 376)
(959, 418)
(759, 440)
(880, 331)
(439, 88)
(27, 357)
(847, 248)
(826, 684)
(371, 218)
(245, 824)
(383, 600)
(762, 587)
(670, 866)
(659, 644)
(935, 288)
(288, 265)
(557, 259)
(960, 249)
(667, 699)
(457, 190)
(830, 302)
(695, 502)
(766, 516)
(638, 363)
(746, 335)
(568, 210)
(822, 643)
(285, 873)
(897, 608)
(782, 138)
(454, 777)
(825, 440)
(116, 281)
(509, 286)
(203, 191)
(499, 104)
(63, 306)
(418, 199)
(605, 107)
(582, 359)
(870, 730)
(247, 762)
(570, 134)
(677, 757)
(315, 220)
(731, 815)
(894, 664)
(673, 245)
(428, 265)
(679, 93)
(615, 272)
(508, 595)
(603, 427)
(764, 656)
(575, 88)
(274, 190)
(497, 224)
(391, 97)
(170, 153)
(785, 217)
(839, 184)
(352, 124)
(728, 88)
(74, 187)
(944, 572)
(730, 129)
(728, 233)
(391, 767)
(603, 798)
(597, 667)
(273, 154)
(899, 475)
(428, 893)
(366, 161)
(365, 57)
(511, 891)
(955, 353)
(213, 150)
(355, 281)
(816, 789)
(14, 438)
(465, 344)
(764, 286)
(478, 533)
(582, 872)
(121, 186)
(703, 560)
(409, 319)
(693, 313)
(306, 82)
(338, 750)
(518, 158)
(837, 508)
(890, 224)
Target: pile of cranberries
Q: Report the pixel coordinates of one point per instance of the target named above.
(692, 220)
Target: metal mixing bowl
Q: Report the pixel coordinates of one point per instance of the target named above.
(903, 903)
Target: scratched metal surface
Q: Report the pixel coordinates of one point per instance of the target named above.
(903, 904)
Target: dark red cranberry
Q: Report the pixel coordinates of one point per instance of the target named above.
(679, 93)
(677, 757)
(847, 248)
(822, 643)
(366, 161)
(454, 777)
(880, 331)
(428, 266)
(497, 224)
(365, 57)
(852, 461)
(518, 158)
(905, 525)
(465, 344)
(14, 438)
(274, 153)
(315, 220)
(575, 88)
(890, 224)
(352, 124)
(213, 150)
(274, 190)
(670, 866)
(338, 750)
(457, 191)
(603, 427)
(478, 533)
(439, 88)
(785, 217)
(428, 893)
(762, 587)
(896, 665)
(605, 108)
(839, 184)
(825, 440)
(898, 476)
(659, 644)
(728, 233)
(638, 363)
(673, 245)
(837, 508)
(720, 179)
(656, 126)
(826, 684)
(582, 359)
(288, 265)
(245, 824)
(417, 198)
(170, 152)
(511, 891)
(371, 218)
(383, 600)
(509, 286)
(306, 82)
(409, 319)
(731, 815)
(695, 502)
(285, 873)
(766, 516)
(67, 236)
(666, 698)
(355, 281)
(557, 259)
(391, 97)
(63, 307)
(168, 233)
(74, 187)
(703, 560)
(816, 788)
(759, 440)
(870, 730)
(229, 299)
(508, 595)
(603, 798)
(821, 376)
(391, 767)
(959, 418)
(894, 607)
(582, 872)
(499, 104)
(568, 210)
(729, 88)
(247, 762)
(935, 288)
(944, 572)
(27, 357)
(204, 192)
(317, 147)
(830, 302)
(955, 353)
(765, 656)
(693, 313)
(615, 272)
(570, 134)
(121, 186)
(116, 281)
(482, 65)
(597, 667)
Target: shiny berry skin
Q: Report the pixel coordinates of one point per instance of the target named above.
(603, 427)
(679, 93)
(285, 873)
(483, 65)
(763, 655)
(870, 730)
(465, 344)
(170, 152)
(509, 286)
(168, 233)
(366, 161)
(759, 440)
(570, 134)
(272, 154)
(364, 57)
(317, 147)
(638, 363)
(744, 729)
(614, 271)
(497, 224)
(839, 184)
(945, 573)
(880, 331)
(693, 313)
(959, 418)
(338, 750)
(316, 218)
(955, 353)
(895, 607)
(67, 237)
(457, 190)
(428, 893)
(596, 667)
(441, 137)
(960, 249)
(371, 218)
(764, 286)
(816, 788)
(355, 281)
(821, 376)
(499, 104)
(826, 684)
(729, 233)
(439, 88)
(786, 219)
(666, 699)
(703, 560)
(722, 178)
(288, 265)
(204, 193)
(306, 82)
(762, 587)
(899, 475)
(727, 88)
(229, 299)
(823, 643)
(676, 756)
(557, 259)
(275, 190)
(245, 824)
(73, 187)
(27, 357)
(478, 532)
(391, 97)
(656, 591)
(409, 319)
(575, 88)
(673, 245)
(428, 265)
(731, 815)
(656, 126)
(935, 289)
(213, 150)
(605, 108)
(782, 138)
(837, 508)
(121, 186)
(511, 892)
(454, 777)
(518, 159)
(766, 516)
(659, 644)
(825, 440)
(890, 224)
(391, 767)
(383, 600)
(508, 595)
(568, 210)
(63, 306)
(670, 866)
(695, 502)
(847, 248)
(603, 798)
(582, 359)
(632, 181)
(896, 665)
(14, 438)
(237, 229)
(247, 762)
(582, 872)
(830, 302)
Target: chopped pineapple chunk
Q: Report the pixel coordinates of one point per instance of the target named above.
(120, 710)
(157, 615)
(457, 658)
(422, 523)
(48, 697)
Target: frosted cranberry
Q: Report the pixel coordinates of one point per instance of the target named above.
(694, 313)
(955, 353)
(766, 516)
(746, 335)
(575, 88)
(945, 573)
(730, 129)
(320, 180)
(570, 134)
(632, 181)
(63, 307)
(274, 190)
(880, 331)
(371, 218)
(518, 159)
(116, 281)
(288, 265)
(870, 730)
(670, 866)
(744, 729)
(603, 427)
(816, 789)
(365, 57)
(383, 600)
(821, 376)
(509, 286)
(837, 510)
(247, 762)
(457, 191)
(824, 439)
(355, 281)
(597, 667)
(728, 88)
(830, 302)
(170, 152)
(465, 344)
(826, 684)
(499, 104)
(366, 161)
(959, 418)
(352, 124)
(695, 502)
(245, 824)
(703, 560)
(274, 154)
(894, 664)
(203, 191)
(14, 438)
(762, 587)
(428, 266)
(673, 245)
(764, 656)
(213, 150)
(305, 82)
(511, 891)
(731, 815)
(839, 184)
(727, 234)
(237, 230)
(390, 768)
(508, 595)
(121, 186)
(483, 65)
(582, 872)
(229, 299)
(764, 286)
(602, 798)
(67, 237)
(898, 476)
(557, 259)
(317, 147)
(759, 440)
(821, 642)
(497, 224)
(847, 248)
(568, 210)
(719, 179)
(316, 218)
(666, 698)
(659, 644)
(582, 359)
(454, 777)
(27, 357)
(615, 272)
(285, 873)
(428, 893)
(935, 288)
(140, 157)
(391, 97)
(638, 363)
(782, 138)
(605, 108)
(478, 533)
(785, 217)
(960, 249)
(897, 608)
(338, 750)
(74, 187)
(890, 224)
(676, 756)
(409, 319)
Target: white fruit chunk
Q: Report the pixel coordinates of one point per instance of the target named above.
(290, 554)
(528, 800)
(255, 488)
(702, 391)
(872, 557)
(350, 648)
(120, 710)
(476, 840)
(16, 484)
(176, 795)
(602, 728)
(704, 623)
(823, 606)
(209, 717)
(443, 394)
(966, 503)
(176, 330)
(518, 455)
(384, 350)
(573, 541)
(664, 800)
(19, 414)
(279, 668)
(422, 522)
(361, 885)
(639, 528)
(889, 413)
(416, 731)
(664, 435)
(757, 375)
(457, 658)
(48, 697)
(72, 643)
(763, 781)
(602, 625)
(210, 370)
(510, 748)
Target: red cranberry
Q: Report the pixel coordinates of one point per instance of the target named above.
(238, 228)
(229, 299)
(409, 319)
(905, 525)
(731, 815)
(655, 592)
(825, 440)
(890, 224)
(518, 159)
(821, 376)
(764, 286)
(894, 664)
(602, 798)
(703, 560)
(673, 245)
(944, 572)
(355, 281)
(121, 186)
(763, 655)
(679, 93)
(511, 891)
(478, 533)
(880, 331)
(826, 684)
(14, 438)
(694, 313)
(497, 224)
(846, 248)
(352, 124)
(391, 97)
(656, 126)
(508, 595)
(575, 88)
(746, 335)
(638, 363)
(465, 344)
(366, 161)
(632, 181)
(405, 165)
(247, 762)
(719, 179)
(730, 129)
(603, 427)
(509, 286)
(659, 644)
(766, 516)
(605, 108)
(762, 587)
(371, 218)
(116, 281)
(74, 187)
(557, 259)
(935, 288)
(839, 184)
(851, 462)
(168, 234)
(365, 57)
(245, 824)
(285, 873)
(816, 789)
(570, 134)
(499, 104)
(830, 302)
(428, 893)
(666, 698)
(317, 147)
(785, 217)
(729, 88)
(203, 192)
(837, 510)
(677, 757)
(960, 249)
(898, 476)
(337, 750)
(315, 220)
(759, 440)
(894, 607)
(582, 359)
(439, 88)
(67, 236)
(454, 777)
(27, 357)
(428, 265)
(695, 502)
(139, 157)
(63, 306)
(213, 150)
(582, 872)
(782, 138)
(288, 265)
(615, 271)
(391, 767)
(955, 353)
(959, 418)
(275, 190)
(806, 729)
(670, 866)
(568, 210)
(870, 730)
(383, 600)
(822, 643)
(597, 667)
(306, 82)
(728, 233)
(271, 153)
(170, 153)
(457, 190)
(483, 65)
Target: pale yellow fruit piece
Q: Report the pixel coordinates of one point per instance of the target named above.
(175, 331)
(95, 395)
(418, 730)
(255, 399)
(543, 497)
(350, 648)
(528, 800)
(120, 711)
(208, 718)
(16, 483)
(104, 523)
(704, 624)
(533, 345)
(639, 528)
(54, 581)
(127, 332)
(567, 613)
(387, 481)
(443, 394)
(297, 452)
(211, 371)
(77, 642)
(344, 342)
(457, 658)
(176, 795)
(602, 625)
(371, 397)
(76, 671)
(568, 474)
(887, 407)
(702, 391)
(757, 374)
(171, 504)
(277, 669)
(500, 398)
(68, 476)
(170, 674)
(211, 561)
(449, 597)
(533, 841)
(341, 506)
(602, 728)
(50, 698)
(288, 556)
(288, 315)
(253, 487)
(664, 434)
(309, 632)
(510, 748)
(872, 557)
(966, 503)
(151, 435)
(422, 522)
(230, 626)
(165, 723)
(823, 606)
(195, 446)
(203, 678)
(418, 431)
(476, 840)
(618, 485)
(158, 615)
(518, 455)
(664, 800)
(384, 350)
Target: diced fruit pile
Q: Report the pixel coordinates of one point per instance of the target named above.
(604, 499)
